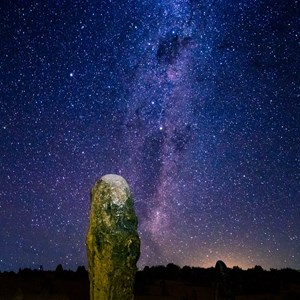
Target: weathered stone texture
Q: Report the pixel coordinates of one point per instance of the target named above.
(113, 245)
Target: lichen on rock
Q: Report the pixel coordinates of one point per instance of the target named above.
(113, 245)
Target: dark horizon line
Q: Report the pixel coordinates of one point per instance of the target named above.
(58, 268)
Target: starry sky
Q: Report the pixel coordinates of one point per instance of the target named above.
(194, 102)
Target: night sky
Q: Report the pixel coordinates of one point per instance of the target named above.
(194, 102)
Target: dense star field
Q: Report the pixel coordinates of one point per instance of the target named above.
(195, 103)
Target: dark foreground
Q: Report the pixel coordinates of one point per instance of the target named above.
(160, 282)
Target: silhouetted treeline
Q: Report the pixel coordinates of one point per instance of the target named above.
(27, 273)
(219, 282)
(252, 281)
(38, 284)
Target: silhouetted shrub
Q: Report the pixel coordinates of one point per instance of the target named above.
(172, 271)
(81, 273)
(158, 272)
(186, 274)
(25, 273)
(59, 271)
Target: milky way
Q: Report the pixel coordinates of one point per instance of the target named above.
(195, 103)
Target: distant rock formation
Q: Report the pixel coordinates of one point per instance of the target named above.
(113, 245)
(223, 288)
(221, 268)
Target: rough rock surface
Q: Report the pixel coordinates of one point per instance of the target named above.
(113, 245)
